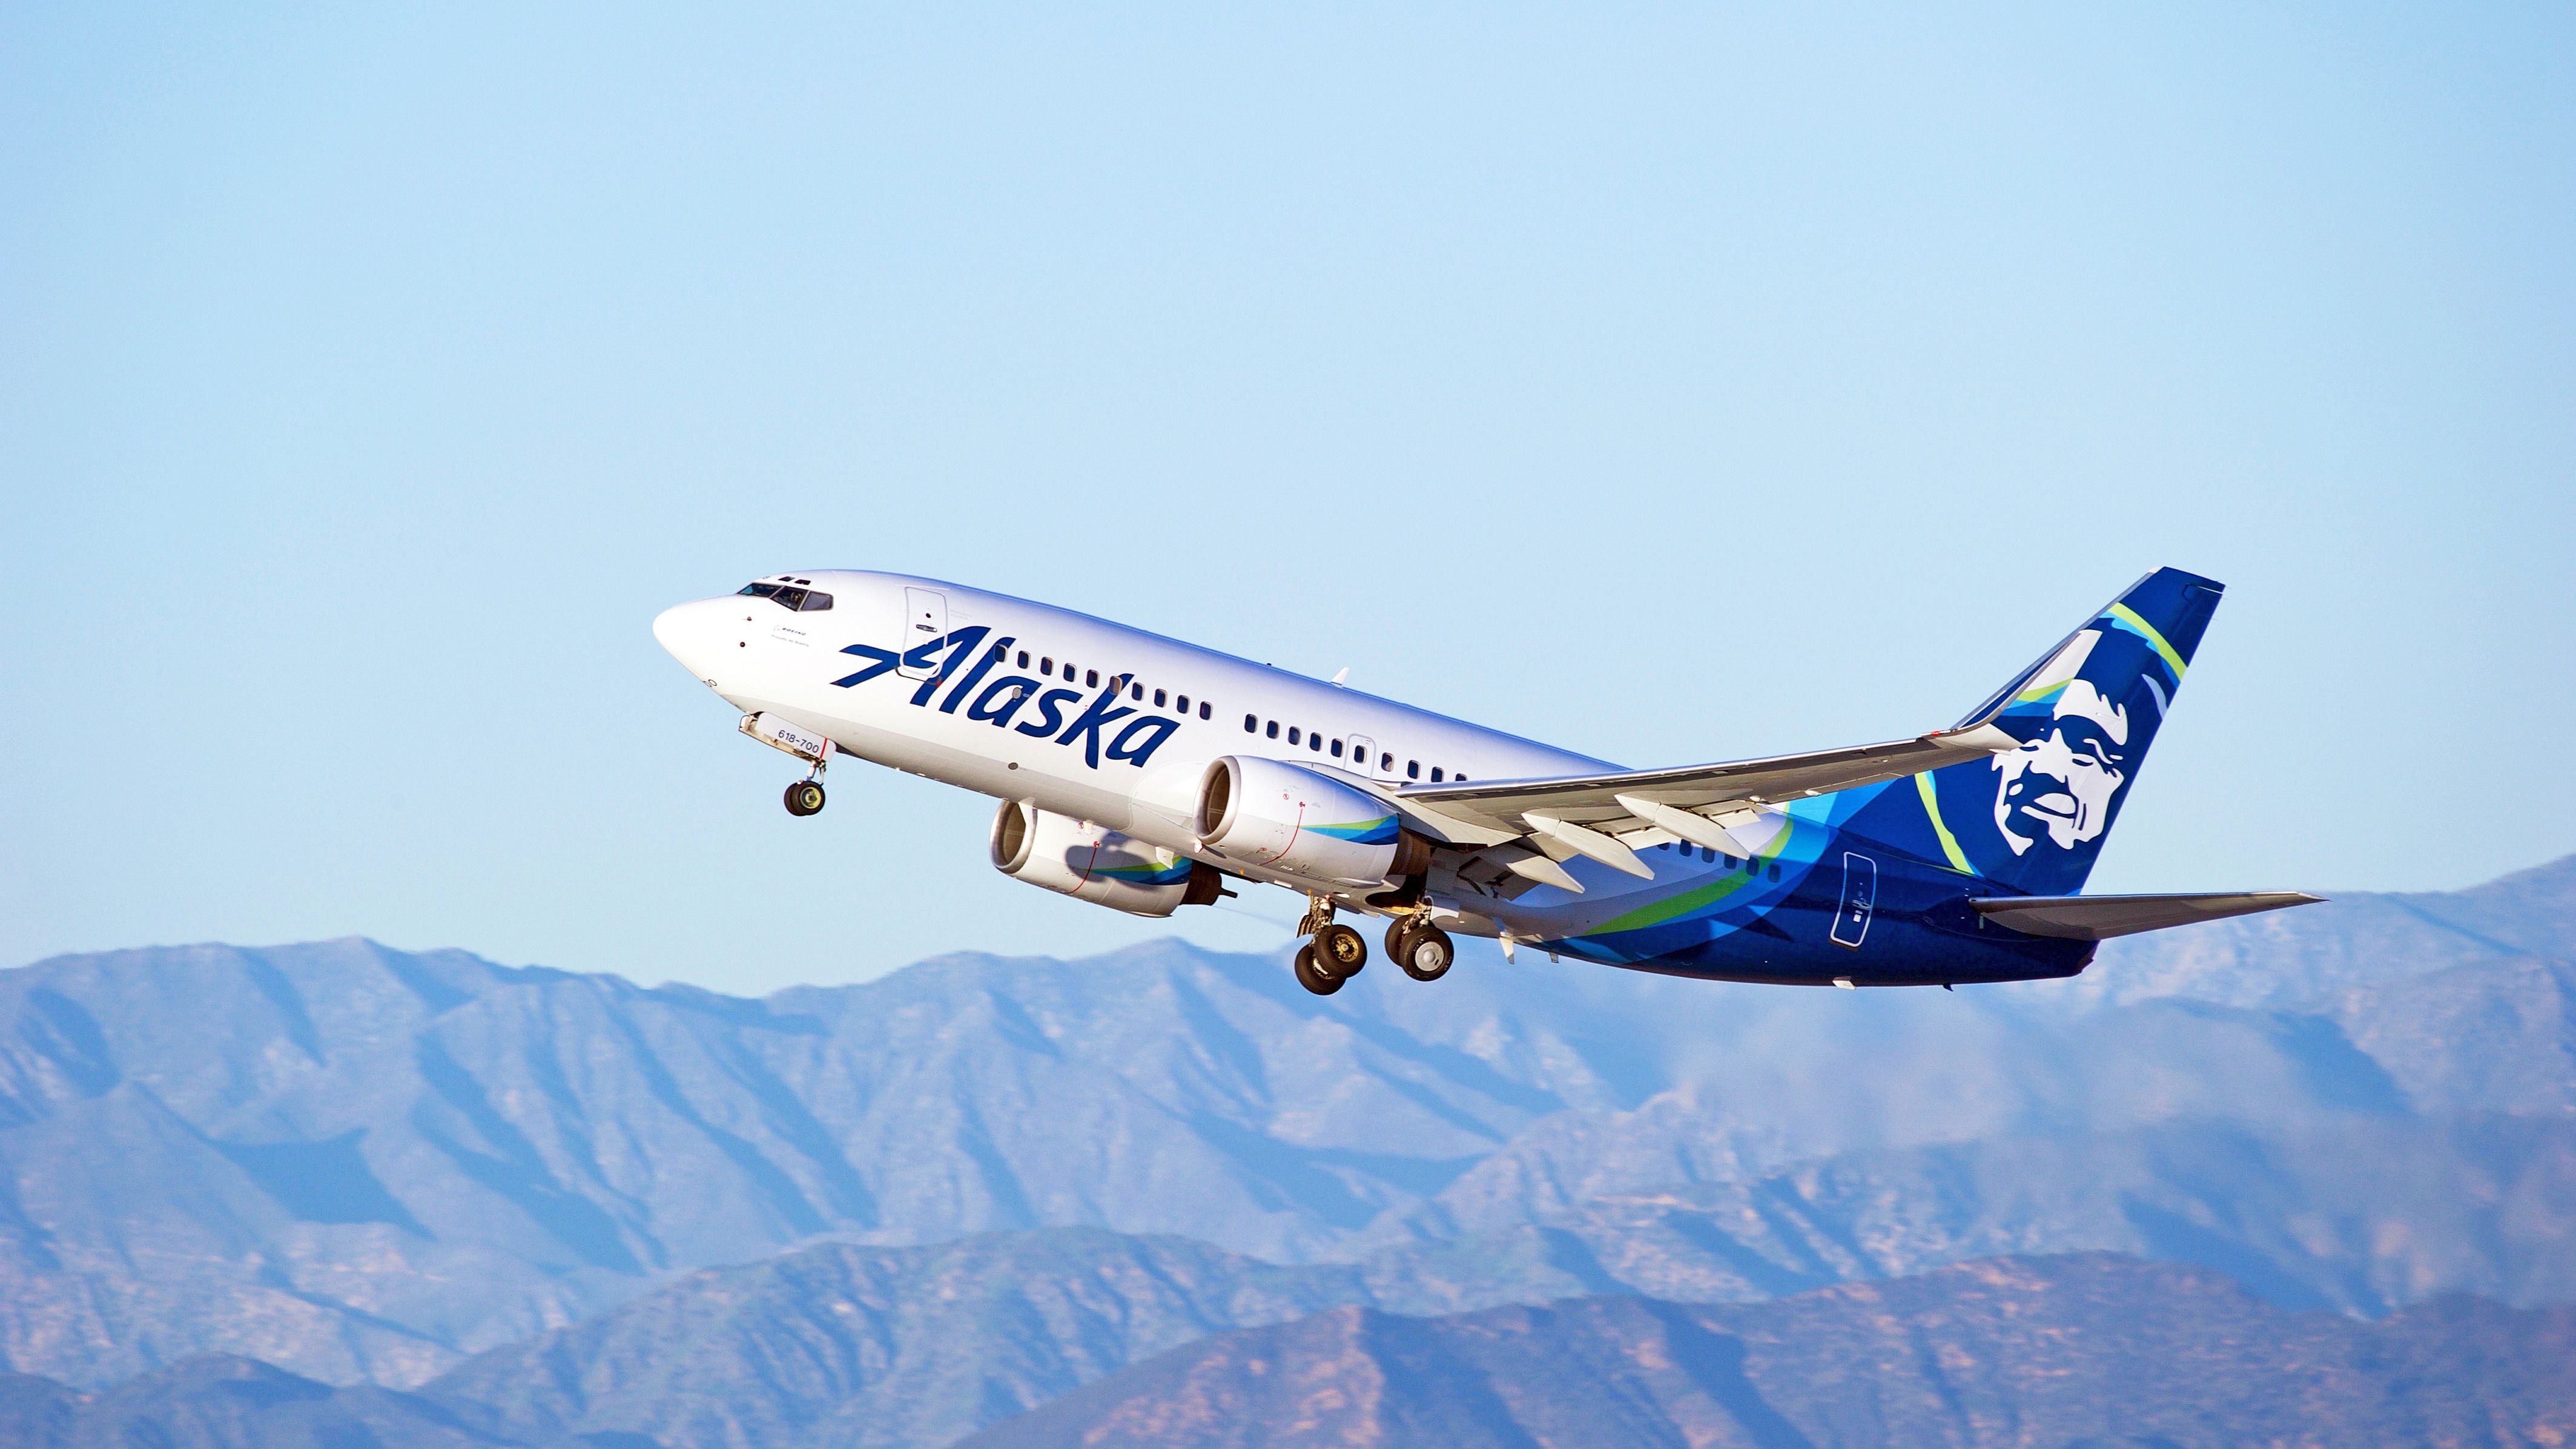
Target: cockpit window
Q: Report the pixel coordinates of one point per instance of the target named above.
(803, 601)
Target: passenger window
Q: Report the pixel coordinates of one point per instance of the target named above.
(816, 603)
(1337, 749)
(1707, 856)
(788, 598)
(1136, 692)
(1207, 711)
(1046, 667)
(998, 654)
(1413, 769)
(1251, 723)
(1180, 702)
(1775, 870)
(1386, 761)
(1314, 742)
(1292, 734)
(1024, 659)
(1273, 731)
(1435, 774)
(1091, 680)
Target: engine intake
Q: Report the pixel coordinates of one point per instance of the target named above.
(1294, 820)
(1089, 863)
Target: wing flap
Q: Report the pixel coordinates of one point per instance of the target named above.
(2098, 918)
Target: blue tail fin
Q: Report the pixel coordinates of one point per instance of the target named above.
(2034, 818)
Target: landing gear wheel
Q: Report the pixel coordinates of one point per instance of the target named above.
(1425, 952)
(1312, 979)
(1339, 951)
(804, 797)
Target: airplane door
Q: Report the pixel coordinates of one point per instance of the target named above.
(1860, 896)
(925, 618)
(1363, 755)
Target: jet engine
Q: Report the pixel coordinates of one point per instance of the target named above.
(1295, 820)
(1091, 863)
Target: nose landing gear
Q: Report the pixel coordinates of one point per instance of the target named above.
(805, 796)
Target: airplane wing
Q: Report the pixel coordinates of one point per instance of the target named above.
(1525, 827)
(1585, 814)
(2098, 918)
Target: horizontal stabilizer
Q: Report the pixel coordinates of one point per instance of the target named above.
(2098, 918)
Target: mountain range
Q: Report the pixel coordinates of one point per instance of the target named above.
(1051, 1339)
(359, 1165)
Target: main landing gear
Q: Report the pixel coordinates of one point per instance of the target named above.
(1334, 953)
(1421, 948)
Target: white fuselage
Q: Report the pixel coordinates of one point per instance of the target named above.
(765, 658)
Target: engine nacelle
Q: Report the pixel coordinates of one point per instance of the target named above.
(1090, 863)
(1266, 813)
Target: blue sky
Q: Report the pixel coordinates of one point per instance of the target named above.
(1672, 383)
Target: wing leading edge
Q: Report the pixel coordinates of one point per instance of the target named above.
(1610, 803)
(1528, 826)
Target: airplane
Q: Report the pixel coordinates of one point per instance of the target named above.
(1144, 773)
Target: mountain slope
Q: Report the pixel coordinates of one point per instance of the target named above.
(2091, 1349)
(866, 1346)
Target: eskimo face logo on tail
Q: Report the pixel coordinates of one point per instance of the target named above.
(2061, 784)
(998, 702)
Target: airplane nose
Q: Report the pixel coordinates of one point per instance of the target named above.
(684, 630)
(666, 629)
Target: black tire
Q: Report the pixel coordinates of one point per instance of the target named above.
(1339, 951)
(1312, 979)
(804, 798)
(1427, 953)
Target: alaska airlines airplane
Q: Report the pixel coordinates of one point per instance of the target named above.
(1142, 773)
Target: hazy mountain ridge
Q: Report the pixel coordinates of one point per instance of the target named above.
(2067, 1349)
(357, 1162)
